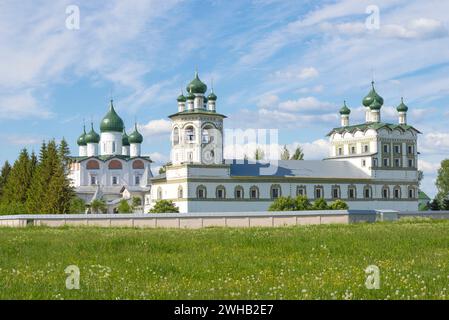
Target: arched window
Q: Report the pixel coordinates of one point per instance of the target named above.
(301, 191)
(411, 193)
(138, 164)
(385, 192)
(319, 192)
(189, 134)
(275, 191)
(159, 193)
(336, 192)
(175, 136)
(115, 165)
(180, 192)
(93, 165)
(207, 134)
(254, 192)
(220, 192)
(238, 192)
(352, 192)
(397, 192)
(367, 192)
(201, 192)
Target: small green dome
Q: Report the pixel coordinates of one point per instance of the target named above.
(345, 110)
(371, 97)
(125, 140)
(82, 139)
(111, 121)
(190, 96)
(135, 137)
(376, 105)
(196, 86)
(402, 107)
(92, 136)
(212, 96)
(181, 98)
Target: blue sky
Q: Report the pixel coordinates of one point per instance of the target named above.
(275, 64)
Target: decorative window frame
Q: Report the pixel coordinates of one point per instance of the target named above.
(275, 186)
(256, 188)
(239, 188)
(220, 187)
(318, 187)
(202, 187)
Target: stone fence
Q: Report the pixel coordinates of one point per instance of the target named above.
(213, 219)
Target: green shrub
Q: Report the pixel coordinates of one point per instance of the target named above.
(12, 208)
(339, 205)
(283, 204)
(320, 204)
(302, 203)
(164, 206)
(77, 206)
(124, 207)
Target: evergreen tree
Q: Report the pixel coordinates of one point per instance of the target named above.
(298, 155)
(19, 179)
(50, 190)
(442, 182)
(164, 206)
(64, 152)
(434, 205)
(445, 204)
(124, 207)
(6, 169)
(285, 155)
(259, 154)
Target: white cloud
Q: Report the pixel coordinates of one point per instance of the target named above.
(18, 106)
(302, 104)
(302, 74)
(22, 140)
(434, 143)
(156, 128)
(428, 167)
(159, 158)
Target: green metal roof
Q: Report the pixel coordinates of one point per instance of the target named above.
(372, 125)
(135, 137)
(345, 110)
(111, 121)
(212, 96)
(109, 157)
(196, 85)
(372, 96)
(402, 107)
(125, 141)
(92, 136)
(423, 196)
(197, 111)
(181, 98)
(82, 139)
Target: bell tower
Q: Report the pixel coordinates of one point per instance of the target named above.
(197, 129)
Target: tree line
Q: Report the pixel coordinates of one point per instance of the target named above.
(37, 184)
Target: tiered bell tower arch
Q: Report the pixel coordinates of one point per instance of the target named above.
(197, 129)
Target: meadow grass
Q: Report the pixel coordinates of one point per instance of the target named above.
(310, 262)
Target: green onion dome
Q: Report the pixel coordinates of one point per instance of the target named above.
(135, 137)
(82, 139)
(181, 98)
(111, 121)
(345, 110)
(371, 97)
(212, 96)
(402, 107)
(125, 140)
(190, 96)
(92, 136)
(196, 86)
(376, 105)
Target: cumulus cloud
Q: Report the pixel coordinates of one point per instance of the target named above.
(156, 128)
(17, 106)
(303, 104)
(435, 143)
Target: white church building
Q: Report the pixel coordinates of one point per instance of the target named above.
(371, 165)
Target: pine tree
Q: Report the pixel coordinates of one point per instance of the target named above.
(6, 169)
(50, 190)
(64, 152)
(259, 154)
(285, 155)
(298, 155)
(19, 179)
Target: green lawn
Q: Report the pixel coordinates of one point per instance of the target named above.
(313, 262)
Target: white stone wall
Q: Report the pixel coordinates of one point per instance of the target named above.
(110, 143)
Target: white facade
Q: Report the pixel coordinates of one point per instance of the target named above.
(377, 167)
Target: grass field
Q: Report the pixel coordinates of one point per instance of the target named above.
(313, 262)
